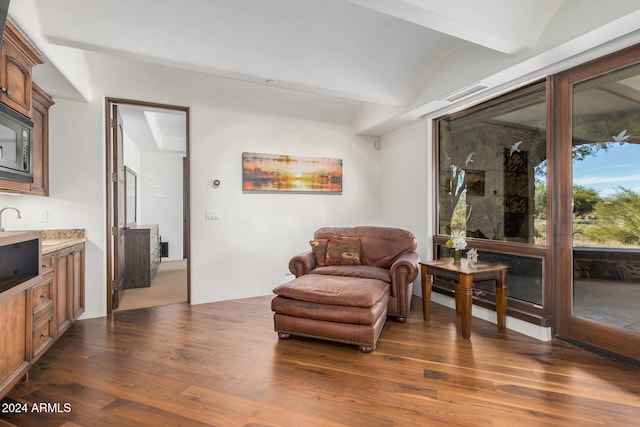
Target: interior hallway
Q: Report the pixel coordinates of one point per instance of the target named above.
(168, 287)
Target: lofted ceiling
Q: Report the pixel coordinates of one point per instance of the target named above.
(362, 63)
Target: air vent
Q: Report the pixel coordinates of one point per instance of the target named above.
(466, 92)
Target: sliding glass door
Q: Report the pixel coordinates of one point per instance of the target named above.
(598, 210)
(546, 179)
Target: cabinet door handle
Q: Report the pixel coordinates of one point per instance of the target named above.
(43, 296)
(43, 335)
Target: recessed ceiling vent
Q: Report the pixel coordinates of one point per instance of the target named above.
(466, 92)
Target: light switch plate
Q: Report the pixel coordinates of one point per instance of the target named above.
(212, 214)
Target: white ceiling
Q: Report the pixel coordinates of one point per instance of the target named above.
(372, 61)
(152, 129)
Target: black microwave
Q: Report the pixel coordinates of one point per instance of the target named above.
(16, 133)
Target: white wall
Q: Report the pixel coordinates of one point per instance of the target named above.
(405, 190)
(131, 159)
(246, 253)
(77, 184)
(159, 192)
(160, 196)
(130, 153)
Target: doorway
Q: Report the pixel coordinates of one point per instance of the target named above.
(147, 204)
(598, 205)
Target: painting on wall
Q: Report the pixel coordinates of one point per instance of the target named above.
(274, 172)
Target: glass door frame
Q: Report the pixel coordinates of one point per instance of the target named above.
(583, 332)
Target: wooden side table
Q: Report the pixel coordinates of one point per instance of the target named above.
(426, 291)
(464, 274)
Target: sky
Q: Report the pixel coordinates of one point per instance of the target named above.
(606, 171)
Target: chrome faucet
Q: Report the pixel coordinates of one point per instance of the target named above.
(4, 209)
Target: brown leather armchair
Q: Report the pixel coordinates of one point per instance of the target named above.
(386, 254)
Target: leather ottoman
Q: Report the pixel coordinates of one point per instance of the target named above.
(350, 310)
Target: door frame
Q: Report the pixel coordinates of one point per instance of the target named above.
(109, 102)
(604, 339)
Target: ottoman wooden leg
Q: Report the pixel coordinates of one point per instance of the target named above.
(366, 348)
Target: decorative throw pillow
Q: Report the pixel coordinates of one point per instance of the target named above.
(319, 248)
(343, 251)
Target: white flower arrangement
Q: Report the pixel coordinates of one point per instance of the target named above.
(456, 243)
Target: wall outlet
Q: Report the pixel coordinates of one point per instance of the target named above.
(44, 216)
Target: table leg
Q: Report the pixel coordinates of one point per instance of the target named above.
(426, 292)
(456, 296)
(465, 289)
(501, 299)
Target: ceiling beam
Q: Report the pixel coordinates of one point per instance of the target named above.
(428, 19)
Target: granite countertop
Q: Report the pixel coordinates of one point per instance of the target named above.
(51, 240)
(52, 245)
(54, 240)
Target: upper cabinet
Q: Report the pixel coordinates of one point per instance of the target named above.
(20, 94)
(17, 58)
(40, 116)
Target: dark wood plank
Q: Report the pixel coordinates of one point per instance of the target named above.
(221, 364)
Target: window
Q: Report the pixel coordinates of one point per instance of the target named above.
(492, 182)
(492, 170)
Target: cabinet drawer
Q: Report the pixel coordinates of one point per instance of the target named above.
(47, 265)
(42, 338)
(44, 313)
(41, 294)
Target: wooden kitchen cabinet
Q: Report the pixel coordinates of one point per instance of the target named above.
(77, 301)
(18, 92)
(42, 102)
(15, 339)
(40, 298)
(17, 58)
(20, 274)
(68, 267)
(43, 330)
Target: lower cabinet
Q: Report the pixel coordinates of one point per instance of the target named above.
(43, 322)
(35, 316)
(15, 339)
(68, 267)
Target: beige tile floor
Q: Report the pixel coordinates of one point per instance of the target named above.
(611, 302)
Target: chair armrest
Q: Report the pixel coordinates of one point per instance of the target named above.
(408, 261)
(302, 264)
(403, 271)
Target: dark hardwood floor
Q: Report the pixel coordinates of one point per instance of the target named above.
(221, 364)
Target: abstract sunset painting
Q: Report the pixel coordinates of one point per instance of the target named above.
(275, 172)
